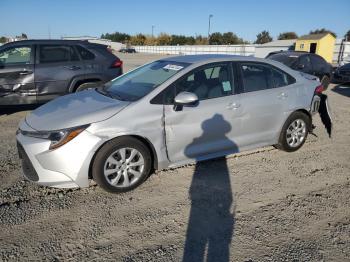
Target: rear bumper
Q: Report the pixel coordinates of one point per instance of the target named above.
(17, 99)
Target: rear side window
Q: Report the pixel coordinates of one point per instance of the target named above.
(84, 53)
(57, 53)
(256, 77)
(281, 78)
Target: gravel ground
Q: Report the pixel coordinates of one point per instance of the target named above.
(262, 205)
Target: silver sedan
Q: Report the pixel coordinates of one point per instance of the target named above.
(167, 113)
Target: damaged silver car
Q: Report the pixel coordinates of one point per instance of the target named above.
(164, 114)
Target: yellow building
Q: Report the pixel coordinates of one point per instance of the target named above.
(321, 44)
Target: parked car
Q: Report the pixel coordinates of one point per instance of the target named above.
(35, 71)
(342, 74)
(305, 62)
(127, 50)
(166, 113)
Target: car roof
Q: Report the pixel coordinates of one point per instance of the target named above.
(293, 53)
(46, 41)
(202, 58)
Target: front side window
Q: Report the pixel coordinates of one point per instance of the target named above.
(207, 82)
(141, 81)
(16, 55)
(57, 54)
(256, 77)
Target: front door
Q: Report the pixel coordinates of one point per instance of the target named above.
(56, 66)
(209, 128)
(17, 72)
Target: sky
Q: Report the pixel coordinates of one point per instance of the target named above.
(246, 18)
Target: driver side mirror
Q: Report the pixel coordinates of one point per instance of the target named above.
(185, 99)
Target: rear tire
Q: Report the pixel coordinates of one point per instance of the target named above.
(325, 82)
(121, 165)
(294, 132)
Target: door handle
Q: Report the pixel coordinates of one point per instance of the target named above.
(233, 106)
(282, 95)
(72, 67)
(25, 72)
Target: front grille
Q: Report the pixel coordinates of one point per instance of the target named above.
(27, 166)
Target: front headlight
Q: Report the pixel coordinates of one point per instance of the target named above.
(58, 137)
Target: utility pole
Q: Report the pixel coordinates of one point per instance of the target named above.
(210, 16)
(152, 30)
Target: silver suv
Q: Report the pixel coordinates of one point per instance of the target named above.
(167, 113)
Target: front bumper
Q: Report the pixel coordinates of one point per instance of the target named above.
(64, 167)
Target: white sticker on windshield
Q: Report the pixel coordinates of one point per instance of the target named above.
(173, 67)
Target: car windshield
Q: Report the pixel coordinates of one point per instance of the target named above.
(141, 81)
(288, 60)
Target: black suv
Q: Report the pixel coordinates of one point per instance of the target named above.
(35, 71)
(305, 62)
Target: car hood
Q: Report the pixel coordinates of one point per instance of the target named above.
(72, 110)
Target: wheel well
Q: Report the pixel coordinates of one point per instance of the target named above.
(84, 81)
(307, 113)
(140, 138)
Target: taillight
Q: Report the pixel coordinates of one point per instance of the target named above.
(319, 89)
(117, 64)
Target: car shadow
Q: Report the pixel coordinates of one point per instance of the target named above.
(12, 109)
(342, 89)
(211, 220)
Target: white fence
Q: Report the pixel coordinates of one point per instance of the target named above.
(246, 50)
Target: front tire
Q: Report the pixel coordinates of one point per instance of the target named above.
(294, 132)
(121, 165)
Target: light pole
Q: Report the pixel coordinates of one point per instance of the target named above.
(210, 16)
(152, 30)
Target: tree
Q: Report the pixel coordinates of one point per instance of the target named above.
(263, 37)
(216, 39)
(182, 40)
(116, 37)
(200, 40)
(347, 36)
(163, 39)
(322, 31)
(138, 39)
(287, 35)
(3, 40)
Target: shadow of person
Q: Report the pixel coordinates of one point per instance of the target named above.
(211, 219)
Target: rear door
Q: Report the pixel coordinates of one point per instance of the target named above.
(264, 101)
(17, 70)
(57, 65)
